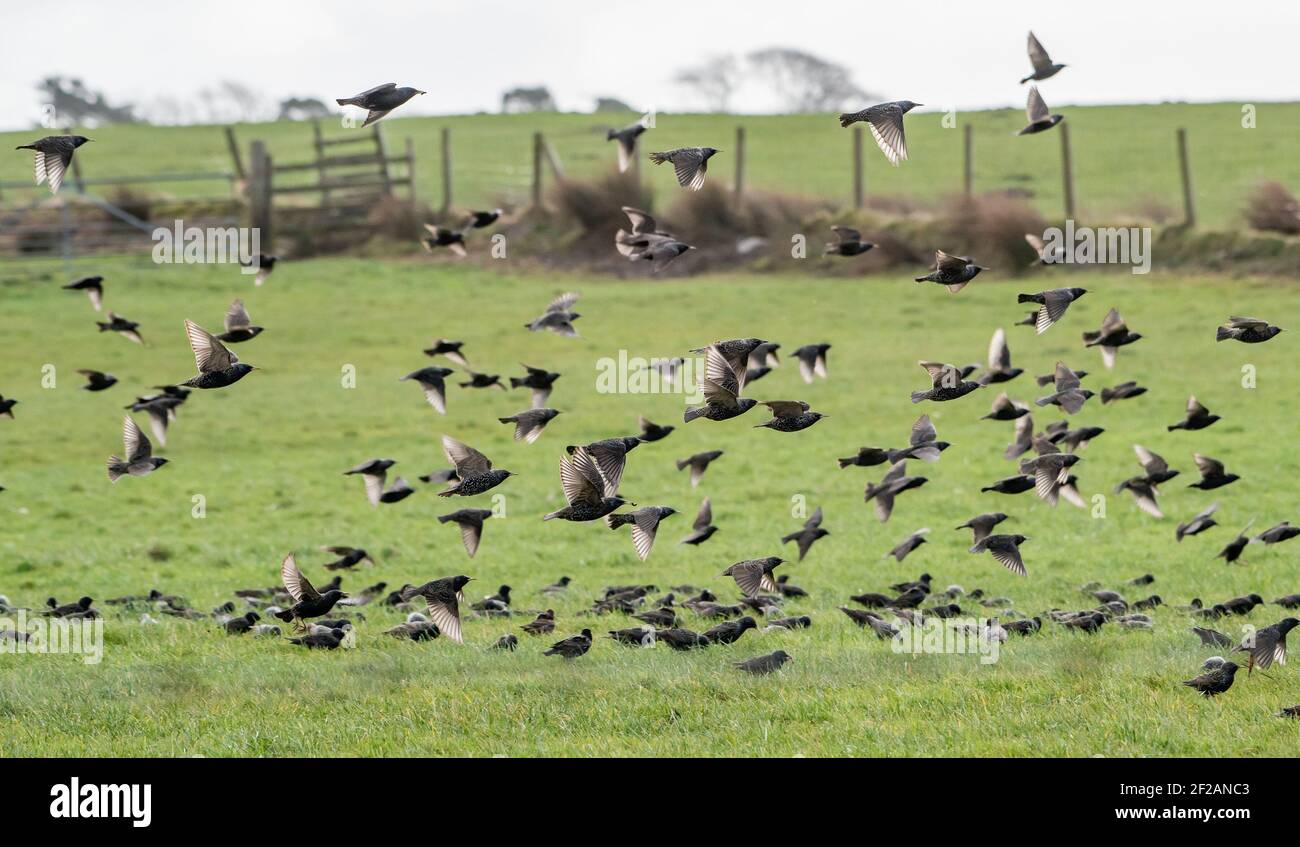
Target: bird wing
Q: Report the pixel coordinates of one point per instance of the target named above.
(1145, 496)
(887, 128)
(471, 532)
(1194, 408)
(847, 235)
(564, 302)
(705, 516)
(942, 375)
(1246, 323)
(237, 316)
(725, 370)
(138, 448)
(1037, 55)
(1205, 513)
(468, 461)
(54, 165)
(1035, 108)
(999, 353)
(923, 431)
(579, 487)
(1024, 437)
(445, 615)
(370, 92)
(209, 353)
(748, 576)
(295, 583)
(1035, 242)
(644, 527)
(690, 168)
(786, 408)
(1112, 323)
(435, 393)
(1064, 378)
(1152, 463)
(1208, 466)
(815, 521)
(642, 222)
(1055, 302)
(1009, 557)
(610, 462)
(948, 263)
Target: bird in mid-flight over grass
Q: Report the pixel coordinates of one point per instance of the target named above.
(1044, 67)
(689, 163)
(886, 123)
(380, 100)
(53, 157)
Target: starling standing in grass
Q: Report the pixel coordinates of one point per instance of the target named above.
(662, 617)
(644, 522)
(380, 100)
(999, 360)
(755, 575)
(470, 522)
(626, 138)
(908, 544)
(450, 349)
(348, 557)
(474, 472)
(239, 326)
(1040, 117)
(1277, 534)
(140, 460)
(241, 625)
(763, 665)
(584, 489)
(558, 317)
(444, 597)
(1068, 395)
(373, 473)
(955, 272)
(1198, 524)
(651, 431)
(884, 629)
(848, 243)
(1215, 681)
(637, 636)
(539, 380)
(431, 381)
(1246, 330)
(331, 639)
(571, 647)
(128, 329)
(689, 163)
(946, 383)
(702, 530)
(1267, 645)
(97, 380)
(1290, 601)
(812, 361)
(495, 604)
(894, 482)
(543, 624)
(886, 123)
(981, 525)
(729, 632)
(1044, 67)
(1212, 473)
(1198, 417)
(698, 464)
(530, 423)
(681, 639)
(1054, 304)
(307, 601)
(441, 236)
(812, 531)
(1005, 548)
(53, 157)
(94, 288)
(789, 416)
(217, 366)
(1114, 333)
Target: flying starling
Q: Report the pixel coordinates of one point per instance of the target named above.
(482, 220)
(558, 317)
(1053, 303)
(1055, 256)
(923, 443)
(721, 389)
(444, 597)
(265, 265)
(1212, 473)
(373, 473)
(53, 157)
(1011, 485)
(1157, 469)
(140, 460)
(609, 456)
(1068, 395)
(848, 242)
(946, 383)
(729, 632)
(307, 601)
(474, 471)
(530, 423)
(894, 482)
(698, 464)
(1198, 417)
(399, 490)
(645, 234)
(1076, 439)
(128, 329)
(94, 288)
(1123, 391)
(866, 457)
(450, 349)
(1144, 494)
(999, 360)
(886, 123)
(348, 557)
(661, 253)
(1235, 547)
(571, 647)
(218, 367)
(1114, 333)
(431, 381)
(441, 236)
(470, 522)
(97, 380)
(981, 525)
(755, 575)
(1004, 408)
(789, 415)
(479, 380)
(1005, 548)
(1267, 645)
(812, 531)
(1277, 534)
(644, 522)
(584, 489)
(161, 411)
(1246, 330)
(626, 138)
(812, 361)
(1214, 681)
(1044, 67)
(1198, 524)
(763, 665)
(1040, 117)
(539, 380)
(955, 272)
(690, 164)
(651, 431)
(908, 544)
(702, 530)
(239, 326)
(380, 100)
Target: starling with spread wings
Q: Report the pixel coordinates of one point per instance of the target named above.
(645, 523)
(444, 597)
(702, 530)
(380, 100)
(1044, 67)
(953, 271)
(140, 460)
(689, 163)
(1053, 305)
(474, 472)
(53, 157)
(848, 243)
(239, 326)
(1040, 117)
(946, 383)
(307, 601)
(470, 522)
(885, 120)
(218, 367)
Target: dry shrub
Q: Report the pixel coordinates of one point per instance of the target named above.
(990, 228)
(597, 205)
(131, 201)
(1271, 208)
(399, 219)
(1155, 210)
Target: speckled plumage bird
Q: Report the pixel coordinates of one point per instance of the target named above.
(1050, 469)
(571, 647)
(1267, 645)
(1068, 394)
(53, 157)
(470, 523)
(729, 632)
(955, 272)
(755, 575)
(1039, 116)
(690, 164)
(885, 120)
(702, 529)
(474, 471)
(1113, 334)
(432, 382)
(946, 383)
(218, 367)
(848, 242)
(789, 416)
(806, 536)
(609, 456)
(1214, 681)
(140, 460)
(584, 490)
(1246, 330)
(644, 522)
(1044, 67)
(1053, 303)
(94, 288)
(530, 423)
(982, 525)
(1005, 548)
(307, 601)
(380, 100)
(444, 597)
(725, 372)
(763, 665)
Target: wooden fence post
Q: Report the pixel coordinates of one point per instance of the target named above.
(233, 146)
(857, 169)
(381, 152)
(968, 173)
(410, 175)
(76, 170)
(740, 162)
(259, 193)
(553, 159)
(318, 142)
(446, 169)
(538, 144)
(1067, 171)
(1185, 169)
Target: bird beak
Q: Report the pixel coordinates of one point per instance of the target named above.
(421, 92)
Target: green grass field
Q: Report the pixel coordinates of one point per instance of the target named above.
(1125, 156)
(267, 454)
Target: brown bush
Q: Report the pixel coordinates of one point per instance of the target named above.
(990, 229)
(1271, 208)
(597, 205)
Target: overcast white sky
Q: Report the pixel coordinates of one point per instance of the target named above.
(962, 54)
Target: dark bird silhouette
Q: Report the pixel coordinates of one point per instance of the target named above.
(1144, 494)
(507, 642)
(1123, 391)
(470, 522)
(1212, 473)
(848, 242)
(1198, 417)
(265, 265)
(981, 525)
(380, 100)
(946, 383)
(217, 366)
(571, 647)
(956, 272)
(441, 236)
(558, 317)
(1279, 533)
(812, 361)
(97, 380)
(494, 604)
(241, 625)
(1005, 548)
(637, 636)
(94, 288)
(348, 557)
(1039, 116)
(530, 423)
(1011, 485)
(1050, 469)
(811, 531)
(539, 380)
(239, 326)
(644, 523)
(885, 120)
(702, 530)
(432, 382)
(325, 640)
(1211, 637)
(1198, 524)
(1054, 304)
(374, 473)
(584, 488)
(1214, 681)
(474, 472)
(893, 483)
(689, 163)
(53, 157)
(626, 138)
(480, 380)
(882, 628)
(1246, 330)
(140, 460)
(681, 639)
(729, 632)
(789, 416)
(866, 457)
(755, 575)
(698, 464)
(307, 601)
(1069, 396)
(651, 431)
(1236, 546)
(482, 220)
(444, 597)
(1044, 67)
(1267, 644)
(763, 665)
(999, 361)
(908, 544)
(450, 349)
(128, 329)
(1114, 333)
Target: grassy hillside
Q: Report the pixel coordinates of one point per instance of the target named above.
(268, 455)
(1125, 156)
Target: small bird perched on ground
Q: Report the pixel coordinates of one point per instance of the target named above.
(729, 632)
(1279, 533)
(241, 625)
(626, 138)
(507, 642)
(908, 544)
(1267, 644)
(558, 317)
(440, 236)
(1112, 335)
(97, 380)
(373, 473)
(1211, 637)
(94, 288)
(651, 431)
(539, 380)
(1212, 473)
(543, 624)
(637, 636)
(140, 460)
(690, 164)
(1198, 417)
(217, 366)
(1005, 548)
(644, 522)
(1214, 681)
(450, 349)
(894, 482)
(886, 123)
(307, 601)
(755, 575)
(1246, 330)
(571, 647)
(470, 522)
(324, 640)
(956, 272)
(443, 597)
(1054, 304)
(702, 530)
(53, 157)
(946, 383)
(349, 557)
(881, 627)
(763, 665)
(239, 326)
(584, 489)
(1198, 524)
(981, 525)
(128, 329)
(812, 361)
(380, 100)
(474, 471)
(530, 423)
(265, 265)
(1044, 67)
(1040, 117)
(431, 381)
(999, 361)
(789, 415)
(811, 532)
(848, 243)
(1068, 394)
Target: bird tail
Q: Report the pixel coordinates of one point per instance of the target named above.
(1173, 427)
(658, 158)
(615, 521)
(844, 463)
(116, 467)
(103, 327)
(1027, 298)
(285, 615)
(918, 396)
(25, 147)
(346, 101)
(515, 382)
(693, 413)
(681, 463)
(1107, 395)
(508, 420)
(847, 118)
(552, 516)
(925, 278)
(1026, 79)
(1223, 334)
